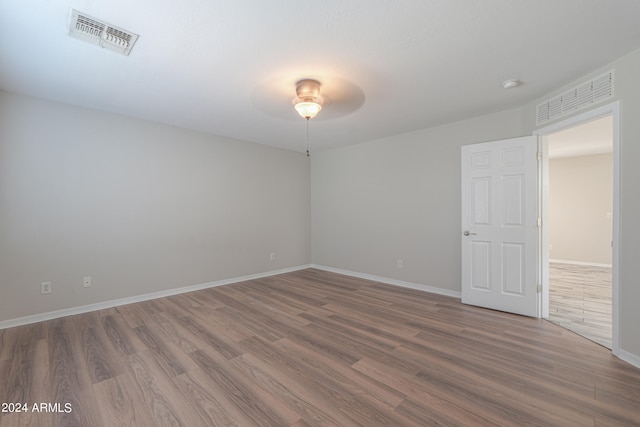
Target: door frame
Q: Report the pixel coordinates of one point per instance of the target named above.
(612, 109)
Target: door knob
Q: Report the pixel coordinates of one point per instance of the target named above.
(468, 233)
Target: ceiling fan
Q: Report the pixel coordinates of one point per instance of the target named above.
(308, 102)
(337, 97)
(334, 96)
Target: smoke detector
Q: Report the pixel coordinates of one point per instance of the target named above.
(94, 31)
(510, 84)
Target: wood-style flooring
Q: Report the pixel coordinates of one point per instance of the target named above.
(580, 300)
(310, 348)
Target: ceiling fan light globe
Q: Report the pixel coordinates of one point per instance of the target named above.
(307, 109)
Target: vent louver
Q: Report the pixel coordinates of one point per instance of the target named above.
(92, 30)
(582, 96)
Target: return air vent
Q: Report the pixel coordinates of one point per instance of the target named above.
(589, 93)
(92, 30)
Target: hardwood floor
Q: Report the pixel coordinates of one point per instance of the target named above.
(311, 348)
(580, 300)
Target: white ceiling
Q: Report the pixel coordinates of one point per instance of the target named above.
(387, 67)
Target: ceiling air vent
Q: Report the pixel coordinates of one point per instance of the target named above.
(582, 96)
(92, 30)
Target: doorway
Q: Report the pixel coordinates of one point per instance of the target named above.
(580, 201)
(579, 236)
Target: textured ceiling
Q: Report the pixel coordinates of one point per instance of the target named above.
(387, 67)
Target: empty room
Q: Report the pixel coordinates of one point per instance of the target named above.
(337, 213)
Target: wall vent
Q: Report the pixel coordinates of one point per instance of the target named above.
(582, 96)
(92, 30)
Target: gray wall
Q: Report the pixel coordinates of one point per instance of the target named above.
(580, 196)
(398, 198)
(140, 207)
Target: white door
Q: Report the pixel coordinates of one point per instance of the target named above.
(500, 225)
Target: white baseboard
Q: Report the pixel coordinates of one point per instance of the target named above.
(138, 298)
(589, 264)
(629, 358)
(418, 286)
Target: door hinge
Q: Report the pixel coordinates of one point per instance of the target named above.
(539, 288)
(539, 222)
(539, 155)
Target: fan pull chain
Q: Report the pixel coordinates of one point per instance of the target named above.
(307, 136)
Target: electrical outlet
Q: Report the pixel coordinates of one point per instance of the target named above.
(86, 281)
(272, 256)
(45, 288)
(400, 264)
